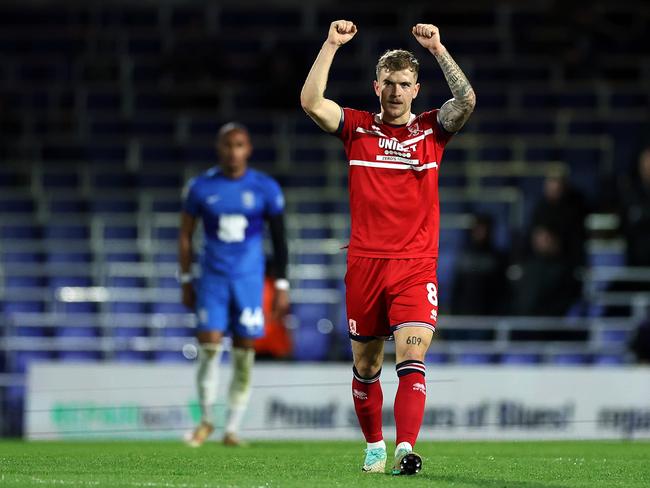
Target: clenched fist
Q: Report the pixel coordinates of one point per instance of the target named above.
(341, 31)
(428, 36)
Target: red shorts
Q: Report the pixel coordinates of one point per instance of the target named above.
(383, 295)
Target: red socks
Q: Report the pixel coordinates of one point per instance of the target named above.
(409, 400)
(368, 400)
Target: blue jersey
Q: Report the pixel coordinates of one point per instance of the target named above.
(233, 212)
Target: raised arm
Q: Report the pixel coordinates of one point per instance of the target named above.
(454, 112)
(326, 113)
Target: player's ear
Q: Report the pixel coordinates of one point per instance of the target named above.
(375, 85)
(416, 90)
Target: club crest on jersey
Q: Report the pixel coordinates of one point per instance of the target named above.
(414, 129)
(248, 199)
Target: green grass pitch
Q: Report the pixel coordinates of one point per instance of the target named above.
(322, 464)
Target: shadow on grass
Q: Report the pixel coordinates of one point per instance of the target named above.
(486, 483)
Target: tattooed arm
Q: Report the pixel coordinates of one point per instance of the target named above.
(454, 112)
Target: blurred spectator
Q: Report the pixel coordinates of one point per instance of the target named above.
(479, 278)
(635, 208)
(562, 210)
(545, 284)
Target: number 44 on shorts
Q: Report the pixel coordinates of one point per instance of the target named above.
(252, 319)
(432, 296)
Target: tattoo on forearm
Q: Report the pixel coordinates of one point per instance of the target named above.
(455, 112)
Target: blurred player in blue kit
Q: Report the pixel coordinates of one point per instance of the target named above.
(233, 201)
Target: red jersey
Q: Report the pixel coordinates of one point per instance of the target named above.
(393, 184)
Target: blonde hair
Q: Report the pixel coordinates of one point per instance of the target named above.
(397, 60)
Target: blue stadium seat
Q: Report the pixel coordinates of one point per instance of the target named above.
(570, 359)
(127, 281)
(60, 179)
(26, 330)
(520, 358)
(10, 178)
(76, 331)
(120, 232)
(308, 314)
(153, 127)
(309, 344)
(165, 257)
(20, 360)
(615, 336)
(14, 406)
(193, 154)
(61, 280)
(609, 360)
(606, 258)
(22, 281)
(68, 206)
(177, 331)
(163, 181)
(169, 233)
(78, 307)
(80, 356)
(436, 358)
(315, 233)
(17, 205)
(104, 153)
(309, 155)
(110, 180)
(122, 257)
(128, 332)
(58, 231)
(22, 257)
(20, 231)
(113, 205)
(130, 356)
(166, 154)
(473, 358)
(169, 308)
(170, 357)
(128, 307)
(111, 127)
(12, 306)
(167, 282)
(166, 205)
(61, 256)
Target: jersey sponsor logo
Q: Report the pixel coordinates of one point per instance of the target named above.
(212, 199)
(232, 228)
(392, 147)
(361, 395)
(398, 159)
(420, 387)
(248, 199)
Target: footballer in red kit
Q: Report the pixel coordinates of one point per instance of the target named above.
(394, 158)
